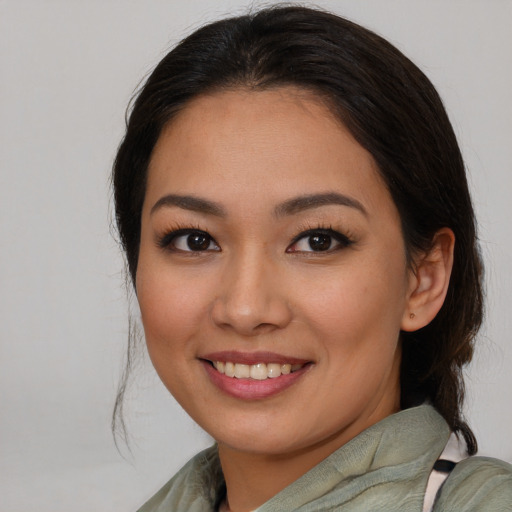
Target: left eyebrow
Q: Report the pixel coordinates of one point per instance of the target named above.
(307, 202)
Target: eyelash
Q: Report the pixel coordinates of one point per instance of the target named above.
(166, 241)
(343, 240)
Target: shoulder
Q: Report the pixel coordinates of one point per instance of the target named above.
(477, 484)
(194, 488)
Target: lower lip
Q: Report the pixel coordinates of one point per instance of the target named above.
(252, 389)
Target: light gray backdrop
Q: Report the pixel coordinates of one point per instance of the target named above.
(68, 69)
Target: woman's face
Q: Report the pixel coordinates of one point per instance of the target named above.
(272, 250)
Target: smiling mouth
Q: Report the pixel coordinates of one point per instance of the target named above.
(259, 371)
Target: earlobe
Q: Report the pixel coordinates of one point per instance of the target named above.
(429, 282)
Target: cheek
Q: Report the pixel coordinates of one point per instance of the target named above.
(362, 304)
(175, 305)
(169, 317)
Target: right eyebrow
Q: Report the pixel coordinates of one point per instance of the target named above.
(192, 203)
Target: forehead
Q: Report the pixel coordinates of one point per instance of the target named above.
(251, 119)
(276, 142)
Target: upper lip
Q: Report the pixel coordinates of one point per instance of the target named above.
(234, 356)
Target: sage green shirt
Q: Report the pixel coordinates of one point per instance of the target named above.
(385, 468)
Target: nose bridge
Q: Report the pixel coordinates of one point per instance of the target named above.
(250, 300)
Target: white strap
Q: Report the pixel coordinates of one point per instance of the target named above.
(455, 451)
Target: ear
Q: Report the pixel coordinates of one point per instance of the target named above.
(428, 282)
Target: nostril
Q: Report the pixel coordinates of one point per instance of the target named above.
(265, 327)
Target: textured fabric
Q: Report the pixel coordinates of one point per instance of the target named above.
(385, 468)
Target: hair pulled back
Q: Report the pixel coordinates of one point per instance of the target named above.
(391, 109)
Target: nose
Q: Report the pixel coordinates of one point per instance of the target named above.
(252, 298)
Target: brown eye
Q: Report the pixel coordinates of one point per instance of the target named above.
(198, 242)
(320, 242)
(188, 240)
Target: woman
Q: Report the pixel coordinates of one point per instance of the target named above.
(298, 228)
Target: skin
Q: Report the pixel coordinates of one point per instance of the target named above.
(256, 287)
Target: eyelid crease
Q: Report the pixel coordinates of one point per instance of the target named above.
(164, 240)
(176, 229)
(344, 239)
(319, 226)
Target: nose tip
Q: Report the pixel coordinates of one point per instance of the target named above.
(249, 320)
(251, 303)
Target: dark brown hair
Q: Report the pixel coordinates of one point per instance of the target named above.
(392, 110)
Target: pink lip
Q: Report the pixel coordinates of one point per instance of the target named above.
(250, 389)
(252, 357)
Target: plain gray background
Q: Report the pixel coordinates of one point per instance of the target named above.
(68, 69)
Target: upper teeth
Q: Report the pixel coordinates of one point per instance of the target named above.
(260, 371)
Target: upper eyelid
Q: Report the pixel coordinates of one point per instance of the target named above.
(342, 240)
(165, 240)
(327, 231)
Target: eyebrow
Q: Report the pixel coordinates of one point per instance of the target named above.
(192, 203)
(294, 205)
(307, 202)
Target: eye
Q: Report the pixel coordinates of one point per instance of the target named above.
(319, 240)
(189, 240)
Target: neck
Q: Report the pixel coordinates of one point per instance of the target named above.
(252, 479)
